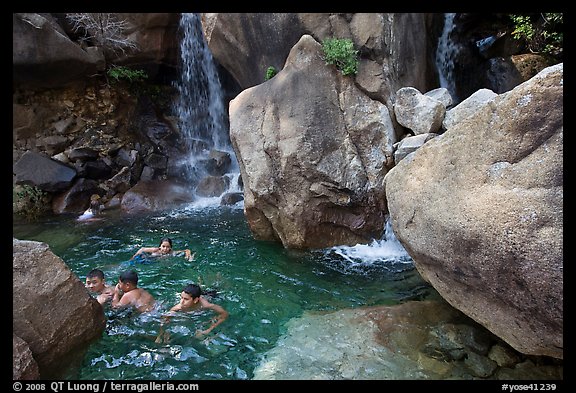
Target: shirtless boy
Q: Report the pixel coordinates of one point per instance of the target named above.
(127, 293)
(96, 283)
(191, 299)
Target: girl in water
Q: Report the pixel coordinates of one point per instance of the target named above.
(164, 249)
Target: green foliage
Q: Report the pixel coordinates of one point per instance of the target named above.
(29, 201)
(541, 32)
(135, 79)
(341, 53)
(270, 72)
(118, 73)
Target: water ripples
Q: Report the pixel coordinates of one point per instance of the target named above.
(262, 285)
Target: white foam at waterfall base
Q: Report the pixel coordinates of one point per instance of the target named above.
(387, 249)
(211, 202)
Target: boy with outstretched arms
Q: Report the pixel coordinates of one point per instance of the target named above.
(191, 299)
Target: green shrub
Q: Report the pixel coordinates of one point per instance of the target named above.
(135, 80)
(542, 32)
(29, 201)
(118, 73)
(341, 53)
(270, 72)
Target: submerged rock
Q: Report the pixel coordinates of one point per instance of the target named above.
(414, 340)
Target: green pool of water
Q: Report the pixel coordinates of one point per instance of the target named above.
(261, 284)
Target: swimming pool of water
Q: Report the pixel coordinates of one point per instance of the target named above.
(261, 284)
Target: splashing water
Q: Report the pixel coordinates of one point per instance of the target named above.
(385, 253)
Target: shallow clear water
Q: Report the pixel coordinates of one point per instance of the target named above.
(261, 284)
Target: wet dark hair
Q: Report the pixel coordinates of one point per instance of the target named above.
(165, 239)
(129, 276)
(193, 290)
(95, 273)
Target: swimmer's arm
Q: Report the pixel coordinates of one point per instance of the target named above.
(222, 315)
(106, 295)
(120, 299)
(145, 249)
(187, 254)
(166, 317)
(163, 335)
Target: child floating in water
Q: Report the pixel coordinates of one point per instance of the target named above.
(191, 299)
(96, 283)
(164, 249)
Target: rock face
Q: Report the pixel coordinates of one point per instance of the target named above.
(312, 151)
(44, 56)
(397, 48)
(247, 44)
(156, 36)
(52, 310)
(480, 210)
(42, 171)
(23, 364)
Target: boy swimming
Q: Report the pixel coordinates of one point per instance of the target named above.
(96, 283)
(191, 299)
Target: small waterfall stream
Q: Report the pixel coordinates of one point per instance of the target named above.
(201, 111)
(445, 54)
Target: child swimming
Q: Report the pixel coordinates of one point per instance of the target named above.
(164, 249)
(192, 299)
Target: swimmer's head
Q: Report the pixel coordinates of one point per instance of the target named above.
(189, 296)
(129, 276)
(193, 290)
(95, 280)
(165, 245)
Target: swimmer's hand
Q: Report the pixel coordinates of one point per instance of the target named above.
(190, 257)
(118, 290)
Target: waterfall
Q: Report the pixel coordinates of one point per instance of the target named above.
(199, 108)
(445, 54)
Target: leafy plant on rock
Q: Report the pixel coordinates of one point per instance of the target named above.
(341, 53)
(542, 32)
(29, 201)
(270, 72)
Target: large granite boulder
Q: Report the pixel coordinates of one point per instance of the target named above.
(51, 309)
(480, 210)
(313, 151)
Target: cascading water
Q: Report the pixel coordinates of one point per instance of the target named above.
(200, 108)
(445, 54)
